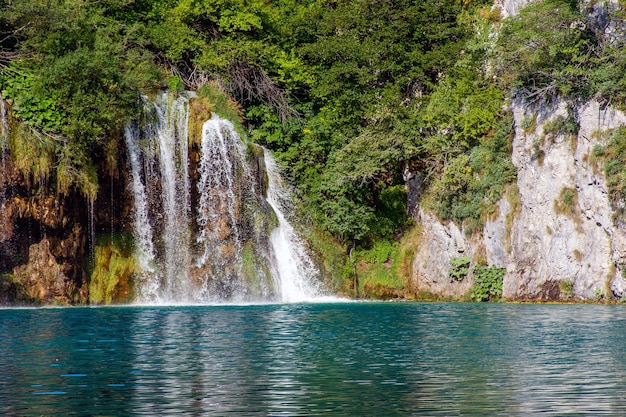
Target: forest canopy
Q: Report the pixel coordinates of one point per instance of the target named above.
(349, 95)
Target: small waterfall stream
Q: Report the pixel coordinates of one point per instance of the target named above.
(292, 265)
(204, 231)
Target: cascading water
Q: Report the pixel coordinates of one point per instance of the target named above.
(224, 178)
(294, 270)
(163, 138)
(147, 288)
(204, 231)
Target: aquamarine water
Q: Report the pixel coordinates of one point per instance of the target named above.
(352, 359)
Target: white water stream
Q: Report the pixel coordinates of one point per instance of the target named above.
(292, 266)
(218, 245)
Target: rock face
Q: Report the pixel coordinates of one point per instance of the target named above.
(564, 231)
(558, 239)
(556, 232)
(47, 239)
(42, 244)
(439, 243)
(510, 7)
(46, 280)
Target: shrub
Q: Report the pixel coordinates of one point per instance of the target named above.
(459, 268)
(567, 288)
(487, 283)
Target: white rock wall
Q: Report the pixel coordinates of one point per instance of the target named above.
(543, 247)
(439, 243)
(549, 246)
(510, 7)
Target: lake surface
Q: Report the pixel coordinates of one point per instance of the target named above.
(353, 359)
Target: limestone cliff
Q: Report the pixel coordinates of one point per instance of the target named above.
(556, 232)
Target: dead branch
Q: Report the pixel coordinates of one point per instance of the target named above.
(248, 83)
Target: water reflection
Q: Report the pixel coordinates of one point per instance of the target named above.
(342, 359)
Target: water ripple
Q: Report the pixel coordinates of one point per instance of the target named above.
(314, 359)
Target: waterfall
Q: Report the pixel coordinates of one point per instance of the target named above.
(217, 218)
(293, 267)
(224, 178)
(144, 248)
(172, 142)
(204, 231)
(158, 155)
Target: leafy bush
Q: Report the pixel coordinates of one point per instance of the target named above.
(566, 288)
(459, 268)
(471, 184)
(546, 50)
(380, 252)
(562, 125)
(487, 283)
(613, 155)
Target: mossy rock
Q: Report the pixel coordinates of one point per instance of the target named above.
(112, 276)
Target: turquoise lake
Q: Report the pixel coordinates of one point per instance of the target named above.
(349, 359)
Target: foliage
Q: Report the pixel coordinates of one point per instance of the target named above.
(546, 50)
(73, 78)
(613, 155)
(551, 48)
(471, 183)
(385, 270)
(567, 204)
(459, 268)
(114, 265)
(562, 125)
(347, 94)
(221, 104)
(487, 283)
(32, 152)
(566, 288)
(380, 252)
(334, 262)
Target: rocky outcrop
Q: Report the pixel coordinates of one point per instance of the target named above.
(510, 7)
(564, 230)
(47, 239)
(439, 244)
(555, 231)
(42, 243)
(45, 280)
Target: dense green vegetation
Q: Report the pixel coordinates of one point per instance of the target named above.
(347, 94)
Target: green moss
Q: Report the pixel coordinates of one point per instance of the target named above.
(256, 150)
(567, 204)
(31, 152)
(566, 288)
(175, 84)
(385, 270)
(254, 273)
(223, 105)
(333, 259)
(114, 266)
(529, 123)
(199, 112)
